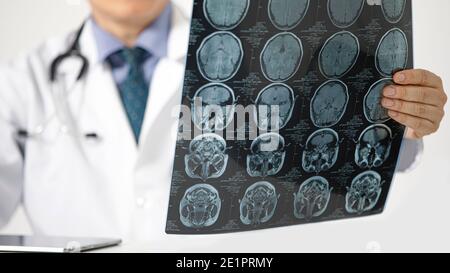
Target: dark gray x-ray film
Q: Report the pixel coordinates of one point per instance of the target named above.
(333, 151)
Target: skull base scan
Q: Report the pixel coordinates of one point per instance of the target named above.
(339, 54)
(364, 193)
(281, 57)
(321, 151)
(312, 198)
(267, 155)
(329, 104)
(200, 206)
(274, 107)
(213, 107)
(344, 13)
(206, 158)
(220, 56)
(373, 147)
(225, 14)
(287, 14)
(258, 204)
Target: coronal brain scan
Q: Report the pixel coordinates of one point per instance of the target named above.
(321, 151)
(364, 193)
(267, 155)
(373, 110)
(344, 13)
(339, 54)
(287, 14)
(225, 14)
(281, 57)
(329, 104)
(392, 52)
(200, 206)
(258, 204)
(274, 107)
(213, 107)
(312, 198)
(280, 119)
(374, 146)
(220, 56)
(393, 10)
(207, 157)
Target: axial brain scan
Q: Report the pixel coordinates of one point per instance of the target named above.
(267, 155)
(200, 206)
(219, 56)
(374, 146)
(329, 104)
(207, 158)
(281, 57)
(215, 109)
(225, 14)
(344, 13)
(393, 10)
(373, 110)
(274, 106)
(287, 14)
(259, 203)
(364, 193)
(338, 55)
(312, 198)
(392, 52)
(321, 151)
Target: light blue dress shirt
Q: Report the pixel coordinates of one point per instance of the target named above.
(153, 39)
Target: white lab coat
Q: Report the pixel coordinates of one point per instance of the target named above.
(71, 186)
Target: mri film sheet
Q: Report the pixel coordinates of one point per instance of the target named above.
(281, 122)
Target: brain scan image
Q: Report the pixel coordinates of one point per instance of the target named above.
(200, 206)
(258, 204)
(373, 110)
(329, 104)
(274, 107)
(393, 10)
(392, 53)
(207, 157)
(225, 14)
(364, 193)
(219, 57)
(321, 151)
(213, 107)
(338, 55)
(287, 14)
(344, 13)
(267, 155)
(374, 146)
(281, 57)
(312, 198)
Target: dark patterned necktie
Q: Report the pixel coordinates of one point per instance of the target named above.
(134, 90)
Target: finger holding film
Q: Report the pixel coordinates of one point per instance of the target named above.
(418, 77)
(420, 126)
(424, 111)
(426, 95)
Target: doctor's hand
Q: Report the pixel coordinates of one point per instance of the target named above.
(416, 100)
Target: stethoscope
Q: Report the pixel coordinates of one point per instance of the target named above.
(62, 112)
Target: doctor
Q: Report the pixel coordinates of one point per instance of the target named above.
(94, 157)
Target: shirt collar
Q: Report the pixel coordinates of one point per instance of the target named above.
(153, 39)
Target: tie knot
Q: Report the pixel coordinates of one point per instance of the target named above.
(134, 56)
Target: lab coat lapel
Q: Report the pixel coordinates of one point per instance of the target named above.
(166, 87)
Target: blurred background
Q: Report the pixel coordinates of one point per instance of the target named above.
(417, 216)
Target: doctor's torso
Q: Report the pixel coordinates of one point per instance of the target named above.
(75, 184)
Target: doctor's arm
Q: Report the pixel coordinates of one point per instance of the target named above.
(11, 158)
